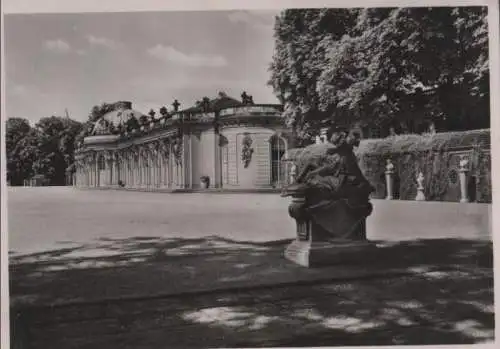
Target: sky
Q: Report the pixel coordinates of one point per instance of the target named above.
(56, 62)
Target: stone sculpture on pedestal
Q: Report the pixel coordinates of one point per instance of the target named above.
(420, 187)
(330, 203)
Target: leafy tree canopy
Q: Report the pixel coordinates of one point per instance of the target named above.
(382, 66)
(45, 149)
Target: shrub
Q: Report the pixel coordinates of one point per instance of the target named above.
(436, 156)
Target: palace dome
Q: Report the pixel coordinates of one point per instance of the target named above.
(121, 112)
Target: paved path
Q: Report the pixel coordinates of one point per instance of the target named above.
(106, 269)
(46, 218)
(213, 292)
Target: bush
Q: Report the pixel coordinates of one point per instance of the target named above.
(416, 143)
(436, 156)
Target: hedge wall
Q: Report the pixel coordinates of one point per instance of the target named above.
(436, 156)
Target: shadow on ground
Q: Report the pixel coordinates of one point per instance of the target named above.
(214, 292)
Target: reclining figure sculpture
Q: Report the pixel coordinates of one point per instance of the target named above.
(330, 198)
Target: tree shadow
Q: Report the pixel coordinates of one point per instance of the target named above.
(214, 292)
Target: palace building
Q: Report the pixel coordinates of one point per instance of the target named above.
(218, 143)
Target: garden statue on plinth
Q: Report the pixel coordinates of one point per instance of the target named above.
(330, 203)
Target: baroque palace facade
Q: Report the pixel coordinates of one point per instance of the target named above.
(219, 143)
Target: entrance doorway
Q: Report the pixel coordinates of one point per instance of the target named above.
(278, 173)
(101, 170)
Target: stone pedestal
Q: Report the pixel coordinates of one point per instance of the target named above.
(464, 180)
(389, 179)
(323, 253)
(343, 242)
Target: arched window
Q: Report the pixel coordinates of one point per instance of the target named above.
(223, 143)
(100, 163)
(278, 149)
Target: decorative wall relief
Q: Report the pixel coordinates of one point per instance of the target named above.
(153, 148)
(165, 149)
(143, 151)
(177, 149)
(247, 150)
(134, 151)
(108, 156)
(117, 157)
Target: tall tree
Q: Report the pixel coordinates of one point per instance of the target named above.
(375, 65)
(21, 150)
(56, 146)
(302, 40)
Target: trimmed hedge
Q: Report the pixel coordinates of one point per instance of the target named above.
(437, 157)
(415, 143)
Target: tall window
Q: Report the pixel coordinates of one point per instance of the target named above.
(278, 149)
(223, 143)
(100, 163)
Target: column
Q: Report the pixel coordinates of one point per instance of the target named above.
(117, 162)
(138, 164)
(131, 177)
(142, 167)
(130, 158)
(129, 168)
(148, 168)
(463, 171)
(94, 171)
(128, 174)
(85, 173)
(136, 169)
(389, 179)
(109, 167)
(159, 159)
(165, 163)
(91, 172)
(154, 164)
(78, 176)
(145, 167)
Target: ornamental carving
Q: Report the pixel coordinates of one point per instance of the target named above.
(143, 151)
(153, 148)
(247, 150)
(164, 148)
(134, 151)
(177, 150)
(108, 156)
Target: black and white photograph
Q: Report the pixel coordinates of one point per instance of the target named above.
(218, 175)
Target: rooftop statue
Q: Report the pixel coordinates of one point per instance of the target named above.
(246, 98)
(331, 194)
(176, 105)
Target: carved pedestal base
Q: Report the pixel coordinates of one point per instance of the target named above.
(315, 254)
